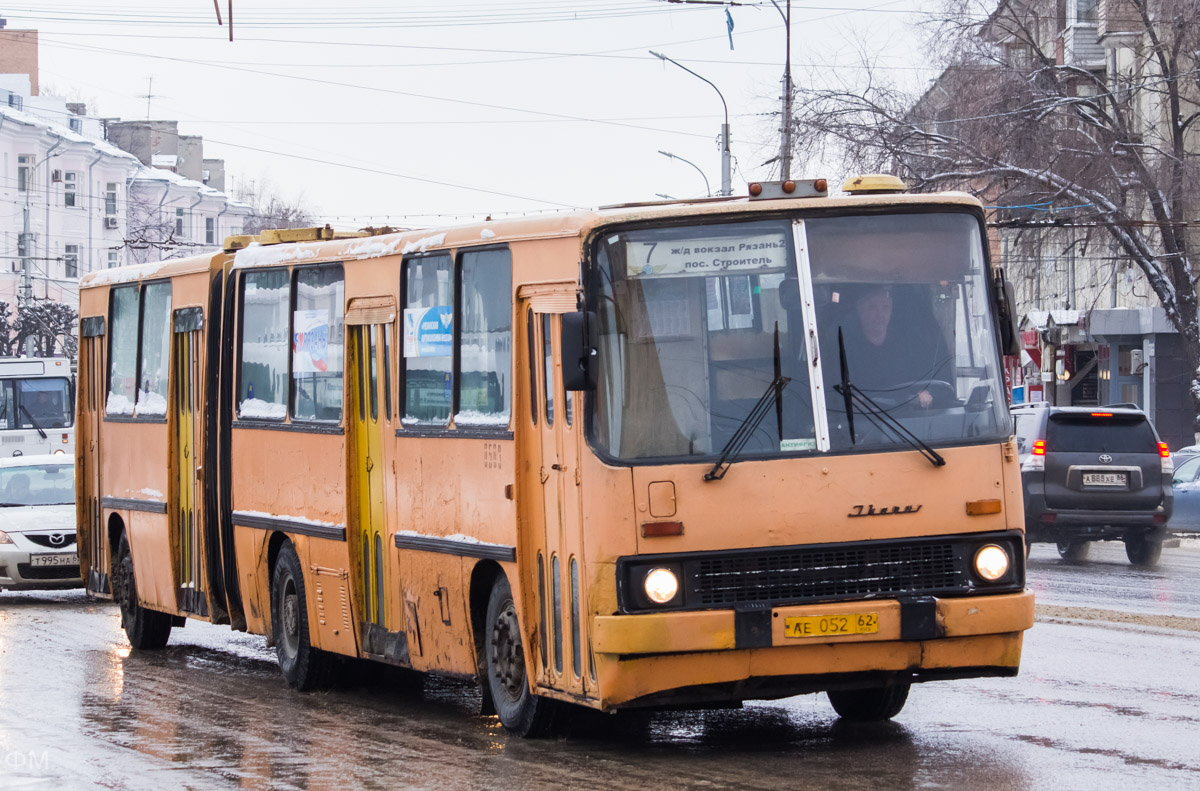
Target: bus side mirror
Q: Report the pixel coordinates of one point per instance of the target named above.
(1006, 311)
(579, 341)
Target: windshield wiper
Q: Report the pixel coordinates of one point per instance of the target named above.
(40, 431)
(879, 416)
(747, 428)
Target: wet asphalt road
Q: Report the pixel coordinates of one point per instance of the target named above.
(1108, 698)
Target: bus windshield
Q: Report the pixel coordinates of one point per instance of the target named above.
(35, 403)
(700, 324)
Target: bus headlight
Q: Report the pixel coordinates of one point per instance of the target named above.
(661, 585)
(4, 539)
(991, 562)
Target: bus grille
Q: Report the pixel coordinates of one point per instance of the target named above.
(816, 574)
(895, 568)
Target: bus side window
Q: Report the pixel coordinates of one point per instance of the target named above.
(122, 350)
(318, 329)
(263, 350)
(428, 354)
(485, 340)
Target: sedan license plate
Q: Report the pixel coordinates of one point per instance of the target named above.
(62, 559)
(831, 625)
(1104, 479)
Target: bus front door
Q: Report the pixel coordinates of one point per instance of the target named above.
(557, 570)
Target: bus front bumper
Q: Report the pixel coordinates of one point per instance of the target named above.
(749, 655)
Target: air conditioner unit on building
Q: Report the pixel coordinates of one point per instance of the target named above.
(56, 175)
(110, 222)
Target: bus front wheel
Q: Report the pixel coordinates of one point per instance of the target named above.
(522, 713)
(147, 630)
(869, 705)
(303, 666)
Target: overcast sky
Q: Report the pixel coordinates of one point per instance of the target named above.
(415, 113)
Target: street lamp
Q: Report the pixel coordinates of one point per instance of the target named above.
(725, 184)
(707, 189)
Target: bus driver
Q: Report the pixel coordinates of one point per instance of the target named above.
(886, 355)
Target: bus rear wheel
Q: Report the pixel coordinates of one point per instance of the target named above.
(522, 713)
(147, 630)
(303, 666)
(869, 705)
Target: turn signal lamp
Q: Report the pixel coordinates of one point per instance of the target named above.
(991, 562)
(661, 585)
(873, 183)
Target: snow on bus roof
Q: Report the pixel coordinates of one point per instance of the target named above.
(124, 274)
(256, 254)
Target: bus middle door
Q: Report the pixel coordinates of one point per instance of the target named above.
(369, 405)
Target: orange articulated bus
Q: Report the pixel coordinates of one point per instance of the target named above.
(656, 455)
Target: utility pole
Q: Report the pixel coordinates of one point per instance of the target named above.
(785, 132)
(25, 300)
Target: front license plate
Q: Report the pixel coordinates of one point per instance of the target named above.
(830, 625)
(54, 560)
(1104, 479)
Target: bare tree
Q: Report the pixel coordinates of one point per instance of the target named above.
(150, 232)
(271, 210)
(52, 325)
(1015, 119)
(8, 330)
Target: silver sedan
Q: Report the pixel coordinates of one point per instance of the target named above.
(38, 547)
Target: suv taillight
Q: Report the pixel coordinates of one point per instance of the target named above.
(1036, 460)
(1168, 464)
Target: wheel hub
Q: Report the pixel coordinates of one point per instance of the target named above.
(508, 655)
(289, 615)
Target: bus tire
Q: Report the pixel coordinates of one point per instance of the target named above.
(521, 712)
(869, 705)
(304, 667)
(1143, 551)
(147, 630)
(1074, 551)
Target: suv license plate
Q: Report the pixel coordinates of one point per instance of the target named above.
(1104, 479)
(63, 559)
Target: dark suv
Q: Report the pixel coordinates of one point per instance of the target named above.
(1094, 473)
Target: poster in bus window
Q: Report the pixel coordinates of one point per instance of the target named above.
(428, 332)
(310, 342)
